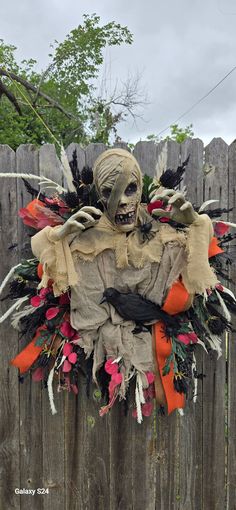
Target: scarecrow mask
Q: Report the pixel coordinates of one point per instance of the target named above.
(118, 181)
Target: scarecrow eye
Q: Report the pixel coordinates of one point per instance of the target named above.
(131, 188)
(106, 192)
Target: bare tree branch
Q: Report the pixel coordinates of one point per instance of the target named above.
(10, 96)
(32, 88)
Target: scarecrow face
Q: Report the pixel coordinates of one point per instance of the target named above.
(127, 206)
(118, 181)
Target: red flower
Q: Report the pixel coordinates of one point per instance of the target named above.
(35, 301)
(158, 204)
(188, 338)
(110, 367)
(71, 357)
(51, 313)
(38, 216)
(221, 228)
(150, 377)
(67, 330)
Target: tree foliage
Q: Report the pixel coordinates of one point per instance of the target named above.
(70, 81)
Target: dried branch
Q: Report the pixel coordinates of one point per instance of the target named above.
(10, 96)
(29, 87)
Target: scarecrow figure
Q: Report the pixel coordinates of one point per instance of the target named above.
(125, 249)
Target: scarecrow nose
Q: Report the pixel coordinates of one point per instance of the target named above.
(123, 200)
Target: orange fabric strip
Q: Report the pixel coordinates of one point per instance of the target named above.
(214, 249)
(174, 303)
(29, 354)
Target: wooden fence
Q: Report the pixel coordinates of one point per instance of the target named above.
(112, 463)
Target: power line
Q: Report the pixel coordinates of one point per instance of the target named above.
(197, 102)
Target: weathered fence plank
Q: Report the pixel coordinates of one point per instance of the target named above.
(53, 425)
(213, 436)
(168, 431)
(9, 387)
(31, 433)
(231, 393)
(190, 492)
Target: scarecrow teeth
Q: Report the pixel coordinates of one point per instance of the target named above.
(125, 218)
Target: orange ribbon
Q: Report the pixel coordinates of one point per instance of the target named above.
(29, 354)
(175, 302)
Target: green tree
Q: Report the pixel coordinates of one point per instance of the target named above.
(64, 96)
(177, 134)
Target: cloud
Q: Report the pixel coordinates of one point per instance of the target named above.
(182, 49)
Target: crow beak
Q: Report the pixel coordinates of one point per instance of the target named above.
(103, 300)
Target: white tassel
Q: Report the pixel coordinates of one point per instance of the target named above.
(140, 389)
(194, 367)
(227, 291)
(161, 162)
(202, 344)
(15, 306)
(61, 362)
(50, 391)
(8, 277)
(226, 312)
(138, 405)
(205, 204)
(215, 343)
(67, 170)
(180, 411)
(18, 315)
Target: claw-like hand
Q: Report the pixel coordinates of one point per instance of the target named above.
(84, 218)
(180, 211)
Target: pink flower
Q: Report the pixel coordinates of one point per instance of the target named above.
(220, 228)
(71, 357)
(188, 338)
(110, 367)
(67, 349)
(36, 301)
(38, 374)
(150, 377)
(51, 313)
(117, 378)
(147, 409)
(43, 292)
(66, 366)
(158, 204)
(67, 330)
(64, 299)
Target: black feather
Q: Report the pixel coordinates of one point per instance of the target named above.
(172, 178)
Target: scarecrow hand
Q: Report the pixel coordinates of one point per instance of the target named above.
(175, 207)
(84, 218)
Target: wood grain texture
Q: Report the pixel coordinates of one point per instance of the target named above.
(231, 400)
(190, 461)
(53, 448)
(31, 432)
(9, 389)
(168, 429)
(213, 436)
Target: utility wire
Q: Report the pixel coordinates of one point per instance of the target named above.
(197, 102)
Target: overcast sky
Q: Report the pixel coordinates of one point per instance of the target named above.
(181, 47)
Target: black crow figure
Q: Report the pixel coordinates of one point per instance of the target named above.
(136, 308)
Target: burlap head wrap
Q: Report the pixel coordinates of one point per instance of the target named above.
(115, 169)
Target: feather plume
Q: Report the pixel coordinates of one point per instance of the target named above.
(15, 306)
(161, 163)
(39, 178)
(205, 204)
(8, 277)
(67, 170)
